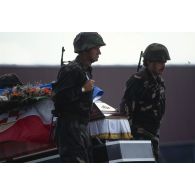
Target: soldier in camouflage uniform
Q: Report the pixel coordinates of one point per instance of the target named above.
(73, 99)
(144, 97)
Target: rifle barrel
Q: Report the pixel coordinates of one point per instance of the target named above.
(139, 63)
(62, 56)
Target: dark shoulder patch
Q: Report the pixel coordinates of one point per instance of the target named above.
(68, 69)
(139, 75)
(143, 75)
(72, 66)
(133, 80)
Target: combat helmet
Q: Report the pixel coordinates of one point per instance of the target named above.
(156, 52)
(87, 40)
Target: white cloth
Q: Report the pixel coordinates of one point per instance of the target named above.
(110, 129)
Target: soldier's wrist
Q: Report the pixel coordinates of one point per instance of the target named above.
(83, 90)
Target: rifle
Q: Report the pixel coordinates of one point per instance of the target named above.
(62, 56)
(139, 63)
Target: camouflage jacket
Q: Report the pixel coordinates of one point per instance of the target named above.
(144, 100)
(69, 100)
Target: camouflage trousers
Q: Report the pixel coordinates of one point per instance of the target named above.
(142, 134)
(73, 140)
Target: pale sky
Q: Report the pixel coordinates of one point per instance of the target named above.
(121, 47)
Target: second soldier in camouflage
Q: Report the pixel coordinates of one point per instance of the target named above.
(144, 97)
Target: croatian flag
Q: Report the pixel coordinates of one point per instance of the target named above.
(33, 123)
(30, 124)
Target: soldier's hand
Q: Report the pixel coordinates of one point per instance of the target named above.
(88, 86)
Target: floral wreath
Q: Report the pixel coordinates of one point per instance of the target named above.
(13, 99)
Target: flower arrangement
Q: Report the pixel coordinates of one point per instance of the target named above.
(12, 99)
